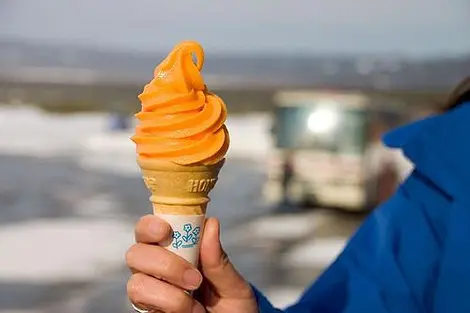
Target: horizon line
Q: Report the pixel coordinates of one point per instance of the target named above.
(238, 52)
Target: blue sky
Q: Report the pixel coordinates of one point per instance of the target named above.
(373, 26)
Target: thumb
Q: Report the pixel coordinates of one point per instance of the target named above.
(216, 266)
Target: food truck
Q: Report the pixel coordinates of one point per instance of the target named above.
(327, 150)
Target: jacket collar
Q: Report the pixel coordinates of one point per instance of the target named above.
(439, 148)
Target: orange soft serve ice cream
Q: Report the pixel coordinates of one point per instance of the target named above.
(181, 121)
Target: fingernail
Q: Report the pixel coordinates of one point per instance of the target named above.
(197, 308)
(192, 278)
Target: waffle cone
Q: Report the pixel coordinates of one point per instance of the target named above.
(177, 189)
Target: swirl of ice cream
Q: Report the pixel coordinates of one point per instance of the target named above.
(181, 121)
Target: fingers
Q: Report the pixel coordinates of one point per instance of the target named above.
(160, 263)
(151, 229)
(152, 294)
(160, 276)
(216, 266)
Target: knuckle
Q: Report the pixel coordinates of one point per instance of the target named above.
(182, 302)
(245, 291)
(166, 265)
(132, 255)
(136, 289)
(169, 267)
(224, 260)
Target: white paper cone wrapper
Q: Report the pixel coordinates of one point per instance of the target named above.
(187, 232)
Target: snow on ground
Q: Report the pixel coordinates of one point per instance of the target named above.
(30, 254)
(285, 227)
(29, 131)
(32, 132)
(314, 252)
(308, 250)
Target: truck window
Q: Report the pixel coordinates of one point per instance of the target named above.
(329, 128)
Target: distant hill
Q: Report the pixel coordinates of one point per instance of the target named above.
(22, 61)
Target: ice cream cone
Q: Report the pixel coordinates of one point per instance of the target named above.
(181, 142)
(179, 195)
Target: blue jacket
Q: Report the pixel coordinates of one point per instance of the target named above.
(412, 254)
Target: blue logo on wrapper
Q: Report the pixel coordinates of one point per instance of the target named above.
(187, 238)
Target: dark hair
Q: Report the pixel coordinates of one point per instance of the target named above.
(459, 95)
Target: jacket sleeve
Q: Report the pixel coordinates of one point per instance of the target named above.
(385, 267)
